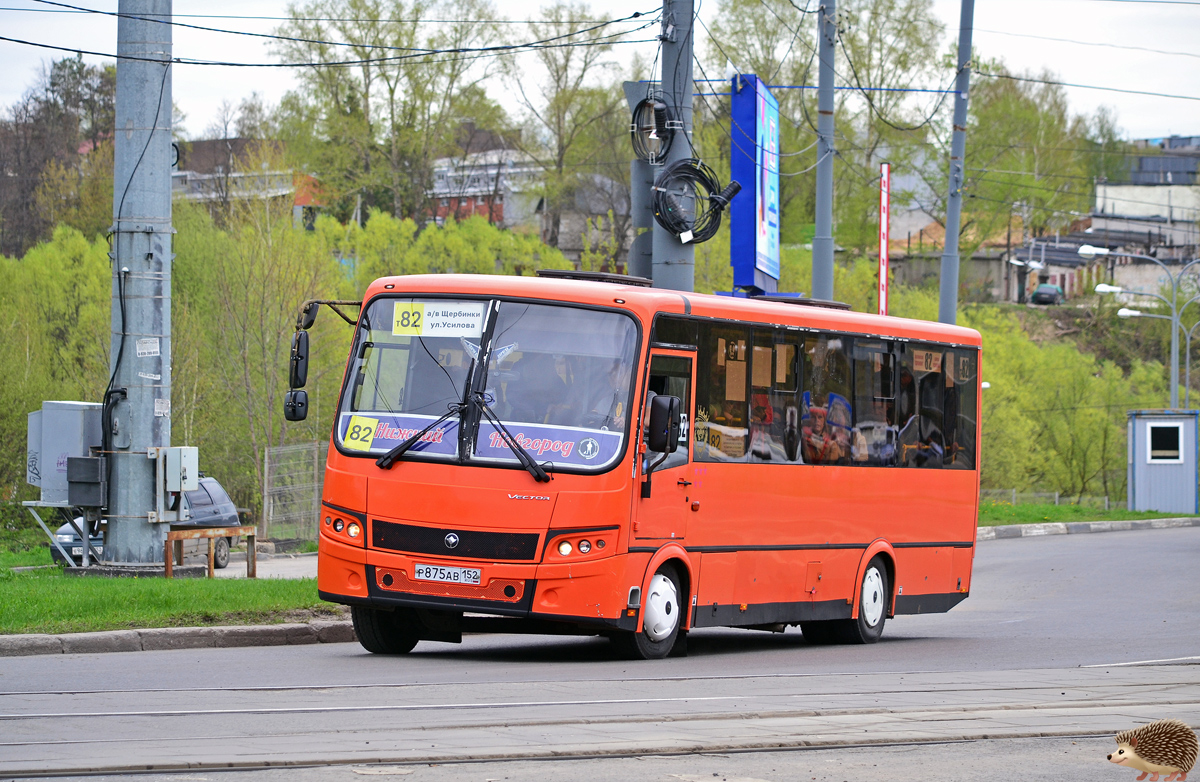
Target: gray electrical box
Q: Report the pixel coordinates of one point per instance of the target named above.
(67, 429)
(183, 468)
(87, 481)
(1164, 457)
(33, 449)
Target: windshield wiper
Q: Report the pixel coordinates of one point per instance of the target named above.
(513, 444)
(385, 462)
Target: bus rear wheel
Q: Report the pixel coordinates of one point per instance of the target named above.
(872, 607)
(662, 619)
(385, 632)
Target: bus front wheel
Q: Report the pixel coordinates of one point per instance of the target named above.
(872, 608)
(384, 632)
(662, 616)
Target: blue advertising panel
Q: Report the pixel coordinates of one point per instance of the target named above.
(754, 223)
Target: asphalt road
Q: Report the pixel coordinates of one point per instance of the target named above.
(1007, 672)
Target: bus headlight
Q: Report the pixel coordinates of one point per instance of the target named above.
(564, 548)
(338, 525)
(353, 530)
(584, 547)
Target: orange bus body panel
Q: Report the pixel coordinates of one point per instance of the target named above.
(757, 536)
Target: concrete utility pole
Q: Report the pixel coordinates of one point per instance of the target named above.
(948, 300)
(141, 340)
(641, 206)
(822, 247)
(674, 263)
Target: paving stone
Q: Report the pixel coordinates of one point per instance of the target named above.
(334, 632)
(178, 638)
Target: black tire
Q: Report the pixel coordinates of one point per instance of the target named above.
(640, 645)
(221, 553)
(819, 633)
(874, 598)
(384, 632)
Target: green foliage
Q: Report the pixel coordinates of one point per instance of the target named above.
(387, 246)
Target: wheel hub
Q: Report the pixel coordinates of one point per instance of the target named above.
(872, 597)
(662, 609)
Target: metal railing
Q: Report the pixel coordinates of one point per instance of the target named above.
(1014, 497)
(293, 476)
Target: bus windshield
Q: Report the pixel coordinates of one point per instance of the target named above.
(558, 378)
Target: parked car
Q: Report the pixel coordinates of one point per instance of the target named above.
(208, 506)
(1048, 294)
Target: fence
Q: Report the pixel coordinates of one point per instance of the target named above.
(1014, 497)
(292, 480)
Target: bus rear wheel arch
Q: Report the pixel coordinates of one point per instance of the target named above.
(664, 609)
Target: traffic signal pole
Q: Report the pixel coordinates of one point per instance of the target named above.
(138, 407)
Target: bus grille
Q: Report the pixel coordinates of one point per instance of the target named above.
(472, 544)
(508, 590)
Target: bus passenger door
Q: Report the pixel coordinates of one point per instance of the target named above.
(664, 514)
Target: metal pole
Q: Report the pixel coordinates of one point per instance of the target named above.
(1175, 326)
(674, 263)
(822, 252)
(948, 300)
(142, 270)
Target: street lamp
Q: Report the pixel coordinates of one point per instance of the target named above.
(1088, 252)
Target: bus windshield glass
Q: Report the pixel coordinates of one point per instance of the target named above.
(558, 379)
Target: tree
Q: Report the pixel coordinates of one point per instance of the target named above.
(375, 128)
(65, 115)
(566, 112)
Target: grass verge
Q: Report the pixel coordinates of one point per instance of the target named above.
(993, 514)
(46, 601)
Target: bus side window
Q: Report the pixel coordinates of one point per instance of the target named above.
(919, 403)
(722, 402)
(826, 414)
(961, 389)
(875, 433)
(774, 397)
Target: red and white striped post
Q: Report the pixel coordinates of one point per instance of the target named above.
(885, 204)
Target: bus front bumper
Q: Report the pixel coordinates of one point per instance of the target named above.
(589, 594)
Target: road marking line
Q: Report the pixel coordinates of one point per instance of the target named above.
(1142, 662)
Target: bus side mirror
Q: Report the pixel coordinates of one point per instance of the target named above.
(298, 368)
(666, 421)
(295, 405)
(309, 315)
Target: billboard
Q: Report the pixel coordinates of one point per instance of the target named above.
(754, 157)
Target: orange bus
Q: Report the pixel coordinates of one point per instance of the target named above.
(557, 455)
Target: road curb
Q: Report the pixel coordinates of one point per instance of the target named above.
(1081, 527)
(163, 638)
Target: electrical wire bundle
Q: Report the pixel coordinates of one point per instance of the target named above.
(651, 129)
(691, 179)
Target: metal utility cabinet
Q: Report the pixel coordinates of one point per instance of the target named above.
(1163, 460)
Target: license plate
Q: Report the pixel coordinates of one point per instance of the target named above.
(77, 551)
(449, 575)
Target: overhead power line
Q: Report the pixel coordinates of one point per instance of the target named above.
(312, 18)
(475, 52)
(1088, 86)
(1090, 43)
(272, 36)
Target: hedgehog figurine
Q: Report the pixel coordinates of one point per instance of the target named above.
(1164, 747)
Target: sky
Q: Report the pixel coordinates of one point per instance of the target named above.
(1002, 29)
